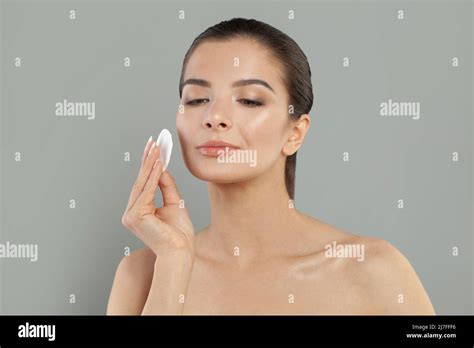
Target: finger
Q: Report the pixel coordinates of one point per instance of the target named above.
(168, 189)
(145, 151)
(147, 196)
(145, 170)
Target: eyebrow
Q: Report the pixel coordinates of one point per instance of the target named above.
(238, 83)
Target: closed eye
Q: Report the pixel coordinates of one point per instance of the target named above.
(194, 102)
(251, 103)
(246, 102)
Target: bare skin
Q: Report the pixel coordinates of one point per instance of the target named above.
(295, 284)
(259, 254)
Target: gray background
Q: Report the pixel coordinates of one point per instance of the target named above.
(75, 158)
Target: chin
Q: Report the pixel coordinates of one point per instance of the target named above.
(207, 169)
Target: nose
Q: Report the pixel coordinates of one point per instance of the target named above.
(216, 118)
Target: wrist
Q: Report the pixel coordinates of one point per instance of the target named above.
(180, 255)
(176, 248)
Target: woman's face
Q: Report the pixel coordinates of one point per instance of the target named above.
(252, 117)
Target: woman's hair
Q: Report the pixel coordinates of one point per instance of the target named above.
(296, 72)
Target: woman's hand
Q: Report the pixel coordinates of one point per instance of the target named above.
(164, 230)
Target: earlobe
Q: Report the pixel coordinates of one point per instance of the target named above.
(298, 132)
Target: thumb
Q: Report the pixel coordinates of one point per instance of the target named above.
(169, 190)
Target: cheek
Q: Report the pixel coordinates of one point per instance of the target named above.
(265, 133)
(184, 128)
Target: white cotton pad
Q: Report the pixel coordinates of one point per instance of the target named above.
(166, 145)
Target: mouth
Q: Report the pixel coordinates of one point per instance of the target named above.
(216, 148)
(215, 151)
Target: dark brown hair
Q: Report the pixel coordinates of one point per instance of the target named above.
(296, 72)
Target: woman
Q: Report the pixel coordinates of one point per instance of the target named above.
(246, 87)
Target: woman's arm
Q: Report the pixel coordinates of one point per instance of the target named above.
(168, 233)
(131, 283)
(171, 276)
(147, 284)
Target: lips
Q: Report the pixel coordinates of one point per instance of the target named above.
(213, 148)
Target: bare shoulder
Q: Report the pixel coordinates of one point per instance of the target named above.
(384, 276)
(380, 277)
(131, 283)
(138, 259)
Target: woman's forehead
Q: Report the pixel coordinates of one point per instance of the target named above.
(228, 61)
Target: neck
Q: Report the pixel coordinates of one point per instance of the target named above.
(251, 220)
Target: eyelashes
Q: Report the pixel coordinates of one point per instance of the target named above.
(251, 103)
(247, 102)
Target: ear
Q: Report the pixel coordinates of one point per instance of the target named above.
(299, 128)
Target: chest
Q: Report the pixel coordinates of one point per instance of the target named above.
(269, 290)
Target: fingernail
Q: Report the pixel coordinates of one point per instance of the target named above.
(149, 139)
(151, 148)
